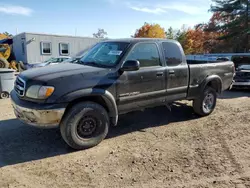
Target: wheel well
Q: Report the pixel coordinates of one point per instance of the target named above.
(96, 99)
(215, 85)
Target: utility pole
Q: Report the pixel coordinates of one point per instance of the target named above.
(75, 31)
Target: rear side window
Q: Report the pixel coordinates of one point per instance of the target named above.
(172, 54)
(146, 53)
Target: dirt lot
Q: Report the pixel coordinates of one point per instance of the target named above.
(154, 148)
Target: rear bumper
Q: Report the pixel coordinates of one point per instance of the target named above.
(37, 115)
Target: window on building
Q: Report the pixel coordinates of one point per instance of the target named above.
(146, 53)
(46, 47)
(64, 49)
(172, 54)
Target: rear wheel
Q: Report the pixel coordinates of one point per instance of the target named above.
(206, 103)
(85, 125)
(4, 63)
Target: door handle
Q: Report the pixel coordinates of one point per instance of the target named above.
(171, 72)
(159, 74)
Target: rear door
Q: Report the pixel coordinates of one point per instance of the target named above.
(177, 74)
(147, 85)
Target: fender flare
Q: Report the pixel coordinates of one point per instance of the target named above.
(212, 78)
(106, 96)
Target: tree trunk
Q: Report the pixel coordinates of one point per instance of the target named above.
(247, 27)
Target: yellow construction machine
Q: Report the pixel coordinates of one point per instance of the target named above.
(7, 57)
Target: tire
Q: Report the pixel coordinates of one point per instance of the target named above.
(200, 103)
(4, 63)
(4, 95)
(85, 125)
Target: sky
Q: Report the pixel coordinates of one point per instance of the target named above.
(119, 18)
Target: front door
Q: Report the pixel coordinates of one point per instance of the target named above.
(138, 89)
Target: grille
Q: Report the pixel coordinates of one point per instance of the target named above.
(240, 80)
(20, 86)
(242, 75)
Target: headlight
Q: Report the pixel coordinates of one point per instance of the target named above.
(39, 92)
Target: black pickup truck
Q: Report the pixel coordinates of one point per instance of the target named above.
(115, 77)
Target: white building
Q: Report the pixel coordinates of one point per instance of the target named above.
(35, 47)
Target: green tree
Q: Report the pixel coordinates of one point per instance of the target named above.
(181, 35)
(235, 22)
(170, 34)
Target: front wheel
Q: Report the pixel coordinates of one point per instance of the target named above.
(85, 125)
(206, 103)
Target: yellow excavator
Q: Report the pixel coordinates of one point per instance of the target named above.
(7, 57)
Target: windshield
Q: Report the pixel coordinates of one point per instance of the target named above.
(241, 60)
(77, 57)
(105, 54)
(244, 67)
(82, 53)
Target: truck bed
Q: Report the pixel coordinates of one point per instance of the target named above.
(199, 72)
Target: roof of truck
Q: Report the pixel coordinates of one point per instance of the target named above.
(134, 40)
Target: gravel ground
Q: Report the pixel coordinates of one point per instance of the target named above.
(154, 148)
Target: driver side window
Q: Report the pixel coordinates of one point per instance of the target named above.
(146, 53)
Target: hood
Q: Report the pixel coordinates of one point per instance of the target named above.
(59, 71)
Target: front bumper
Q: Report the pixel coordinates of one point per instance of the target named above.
(38, 115)
(241, 84)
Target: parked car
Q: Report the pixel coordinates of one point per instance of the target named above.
(50, 61)
(77, 58)
(73, 60)
(115, 77)
(242, 76)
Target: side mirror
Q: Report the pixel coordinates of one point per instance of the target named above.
(130, 65)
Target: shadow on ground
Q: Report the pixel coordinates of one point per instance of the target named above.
(21, 143)
(138, 121)
(235, 94)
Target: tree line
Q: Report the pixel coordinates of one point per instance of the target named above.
(228, 30)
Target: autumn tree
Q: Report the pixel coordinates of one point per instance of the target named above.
(194, 42)
(8, 34)
(5, 35)
(101, 33)
(150, 31)
(214, 42)
(234, 22)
